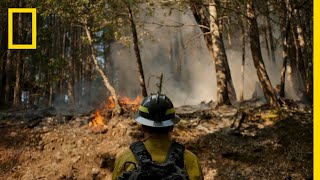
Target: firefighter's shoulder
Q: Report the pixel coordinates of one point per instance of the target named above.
(121, 158)
(192, 165)
(125, 154)
(188, 155)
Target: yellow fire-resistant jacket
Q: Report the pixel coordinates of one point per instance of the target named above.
(158, 148)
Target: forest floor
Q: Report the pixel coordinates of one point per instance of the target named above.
(264, 144)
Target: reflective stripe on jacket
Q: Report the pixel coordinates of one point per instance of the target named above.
(158, 148)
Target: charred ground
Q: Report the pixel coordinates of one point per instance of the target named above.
(265, 144)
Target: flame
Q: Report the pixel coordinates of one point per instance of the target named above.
(130, 104)
(97, 123)
(126, 103)
(126, 100)
(110, 104)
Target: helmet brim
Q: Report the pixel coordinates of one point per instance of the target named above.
(151, 123)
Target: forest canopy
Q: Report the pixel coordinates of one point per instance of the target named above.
(92, 49)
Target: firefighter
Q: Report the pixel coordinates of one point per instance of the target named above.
(157, 116)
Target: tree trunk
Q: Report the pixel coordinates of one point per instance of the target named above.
(71, 74)
(62, 76)
(283, 74)
(180, 51)
(243, 32)
(228, 33)
(108, 62)
(17, 87)
(219, 56)
(117, 108)
(2, 80)
(300, 40)
(50, 90)
(201, 16)
(293, 71)
(269, 29)
(286, 47)
(76, 64)
(19, 65)
(88, 80)
(137, 52)
(9, 75)
(51, 56)
(231, 91)
(70, 90)
(267, 43)
(257, 56)
(3, 62)
(80, 66)
(180, 54)
(305, 59)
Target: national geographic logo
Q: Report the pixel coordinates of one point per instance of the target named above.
(33, 12)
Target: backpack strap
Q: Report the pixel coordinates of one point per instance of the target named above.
(175, 154)
(140, 152)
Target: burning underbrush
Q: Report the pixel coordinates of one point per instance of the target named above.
(129, 106)
(98, 124)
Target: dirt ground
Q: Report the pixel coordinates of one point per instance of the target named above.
(266, 145)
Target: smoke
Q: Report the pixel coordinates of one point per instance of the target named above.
(177, 53)
(180, 53)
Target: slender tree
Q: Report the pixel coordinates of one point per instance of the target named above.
(243, 49)
(137, 51)
(117, 109)
(213, 39)
(270, 32)
(257, 56)
(19, 63)
(286, 47)
(3, 62)
(219, 56)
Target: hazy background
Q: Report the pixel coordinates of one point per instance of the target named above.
(197, 80)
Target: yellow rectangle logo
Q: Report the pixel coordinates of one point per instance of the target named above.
(33, 12)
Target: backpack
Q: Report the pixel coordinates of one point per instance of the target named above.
(171, 169)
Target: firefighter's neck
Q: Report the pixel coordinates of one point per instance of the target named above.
(149, 135)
